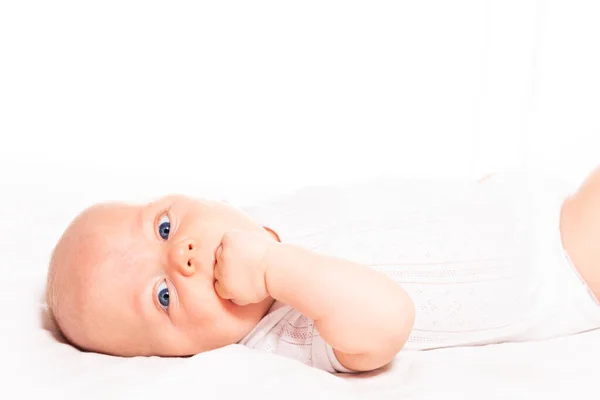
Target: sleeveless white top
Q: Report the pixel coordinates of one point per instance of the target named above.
(462, 250)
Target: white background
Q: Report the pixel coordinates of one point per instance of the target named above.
(121, 99)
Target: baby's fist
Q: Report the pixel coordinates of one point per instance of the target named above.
(241, 265)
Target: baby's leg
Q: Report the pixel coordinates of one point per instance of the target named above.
(580, 229)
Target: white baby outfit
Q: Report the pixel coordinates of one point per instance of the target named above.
(483, 263)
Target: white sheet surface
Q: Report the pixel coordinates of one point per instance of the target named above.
(36, 365)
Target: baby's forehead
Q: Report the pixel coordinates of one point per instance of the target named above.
(100, 236)
(121, 252)
(92, 265)
(109, 213)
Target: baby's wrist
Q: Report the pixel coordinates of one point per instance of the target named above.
(268, 264)
(276, 261)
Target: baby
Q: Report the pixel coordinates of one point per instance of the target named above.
(340, 279)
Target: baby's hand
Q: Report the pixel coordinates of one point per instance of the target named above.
(241, 265)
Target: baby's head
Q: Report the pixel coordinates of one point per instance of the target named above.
(134, 280)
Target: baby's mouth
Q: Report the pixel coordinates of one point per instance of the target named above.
(215, 261)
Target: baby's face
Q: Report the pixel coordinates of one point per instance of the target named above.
(138, 280)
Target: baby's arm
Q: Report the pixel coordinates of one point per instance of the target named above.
(364, 315)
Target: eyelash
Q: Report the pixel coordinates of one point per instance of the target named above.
(167, 212)
(170, 287)
(171, 290)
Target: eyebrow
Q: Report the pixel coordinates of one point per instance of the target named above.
(141, 219)
(145, 311)
(139, 302)
(142, 299)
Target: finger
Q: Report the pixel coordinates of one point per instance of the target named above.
(222, 292)
(239, 302)
(220, 271)
(226, 238)
(219, 252)
(217, 271)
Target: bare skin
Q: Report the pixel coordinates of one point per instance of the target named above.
(221, 271)
(111, 262)
(181, 276)
(580, 229)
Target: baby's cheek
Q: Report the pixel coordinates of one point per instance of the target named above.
(200, 305)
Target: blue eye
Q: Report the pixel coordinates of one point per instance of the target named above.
(163, 295)
(164, 227)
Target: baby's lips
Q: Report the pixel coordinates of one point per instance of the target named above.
(217, 255)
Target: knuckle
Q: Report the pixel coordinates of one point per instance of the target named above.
(224, 292)
(228, 237)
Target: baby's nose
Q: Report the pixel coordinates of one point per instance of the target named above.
(182, 256)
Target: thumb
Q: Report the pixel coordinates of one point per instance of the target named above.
(222, 292)
(219, 252)
(239, 303)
